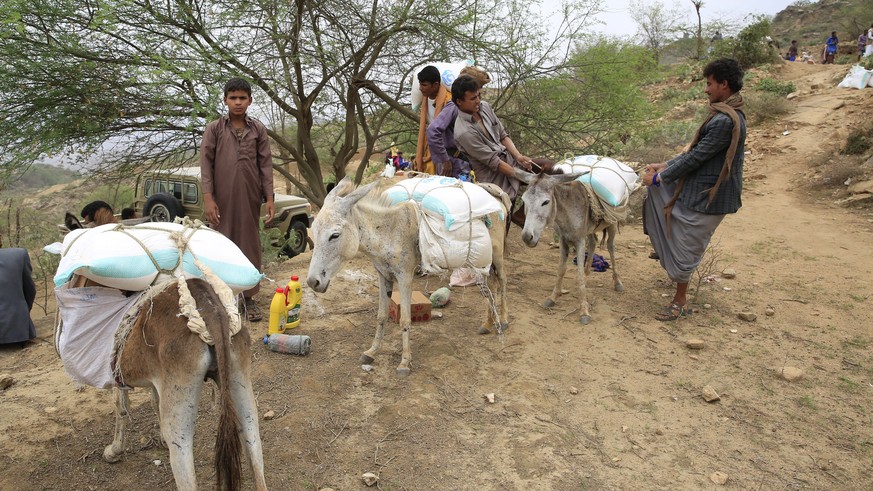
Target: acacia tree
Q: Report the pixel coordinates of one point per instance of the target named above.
(698, 4)
(136, 81)
(656, 23)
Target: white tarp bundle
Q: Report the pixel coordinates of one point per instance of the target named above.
(132, 257)
(857, 78)
(454, 201)
(612, 180)
(85, 338)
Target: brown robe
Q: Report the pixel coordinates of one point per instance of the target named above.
(239, 175)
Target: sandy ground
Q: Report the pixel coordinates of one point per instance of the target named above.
(613, 405)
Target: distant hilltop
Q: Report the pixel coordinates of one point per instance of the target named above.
(811, 23)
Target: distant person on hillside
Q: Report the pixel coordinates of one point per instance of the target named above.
(691, 194)
(792, 51)
(868, 50)
(236, 168)
(715, 38)
(862, 44)
(831, 48)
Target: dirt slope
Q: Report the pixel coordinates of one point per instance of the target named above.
(612, 405)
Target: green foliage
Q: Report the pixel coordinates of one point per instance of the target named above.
(41, 175)
(762, 106)
(777, 87)
(590, 109)
(749, 47)
(146, 77)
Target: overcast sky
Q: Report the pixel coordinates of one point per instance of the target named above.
(617, 20)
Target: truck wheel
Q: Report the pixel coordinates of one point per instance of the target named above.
(295, 239)
(162, 207)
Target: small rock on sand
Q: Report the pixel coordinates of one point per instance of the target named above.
(729, 273)
(269, 415)
(719, 478)
(748, 316)
(769, 312)
(574, 390)
(6, 381)
(370, 478)
(791, 373)
(709, 394)
(695, 344)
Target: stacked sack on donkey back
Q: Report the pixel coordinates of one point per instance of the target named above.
(454, 229)
(611, 180)
(134, 257)
(126, 261)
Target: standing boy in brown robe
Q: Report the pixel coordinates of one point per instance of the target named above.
(236, 170)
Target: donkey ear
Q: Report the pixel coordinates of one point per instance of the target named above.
(562, 178)
(349, 200)
(523, 176)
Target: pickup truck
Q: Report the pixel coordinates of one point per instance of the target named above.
(164, 195)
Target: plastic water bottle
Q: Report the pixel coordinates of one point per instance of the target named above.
(286, 343)
(293, 296)
(278, 313)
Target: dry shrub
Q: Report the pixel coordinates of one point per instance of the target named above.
(857, 143)
(833, 171)
(761, 106)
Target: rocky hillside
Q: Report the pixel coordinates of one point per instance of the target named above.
(810, 23)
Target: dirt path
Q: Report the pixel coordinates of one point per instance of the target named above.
(612, 405)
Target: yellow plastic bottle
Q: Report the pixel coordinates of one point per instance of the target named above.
(293, 296)
(278, 313)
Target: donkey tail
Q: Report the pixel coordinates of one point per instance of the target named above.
(228, 446)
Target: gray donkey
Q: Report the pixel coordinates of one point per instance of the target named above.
(564, 203)
(348, 223)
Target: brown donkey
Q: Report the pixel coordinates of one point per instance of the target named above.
(162, 353)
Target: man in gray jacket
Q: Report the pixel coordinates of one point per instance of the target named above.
(690, 194)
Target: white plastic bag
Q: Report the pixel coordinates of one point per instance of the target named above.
(857, 78)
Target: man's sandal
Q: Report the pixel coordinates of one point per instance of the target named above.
(252, 311)
(672, 312)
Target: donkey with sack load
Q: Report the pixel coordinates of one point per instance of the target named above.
(387, 230)
(577, 215)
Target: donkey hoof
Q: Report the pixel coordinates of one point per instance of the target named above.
(402, 371)
(483, 330)
(549, 303)
(504, 326)
(367, 359)
(110, 455)
(585, 319)
(619, 287)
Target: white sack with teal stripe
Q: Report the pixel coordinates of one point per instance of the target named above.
(454, 201)
(132, 257)
(612, 180)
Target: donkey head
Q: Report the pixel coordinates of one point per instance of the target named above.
(335, 233)
(539, 202)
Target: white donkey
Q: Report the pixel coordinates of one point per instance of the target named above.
(563, 202)
(388, 235)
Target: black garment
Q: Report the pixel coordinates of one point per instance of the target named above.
(17, 293)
